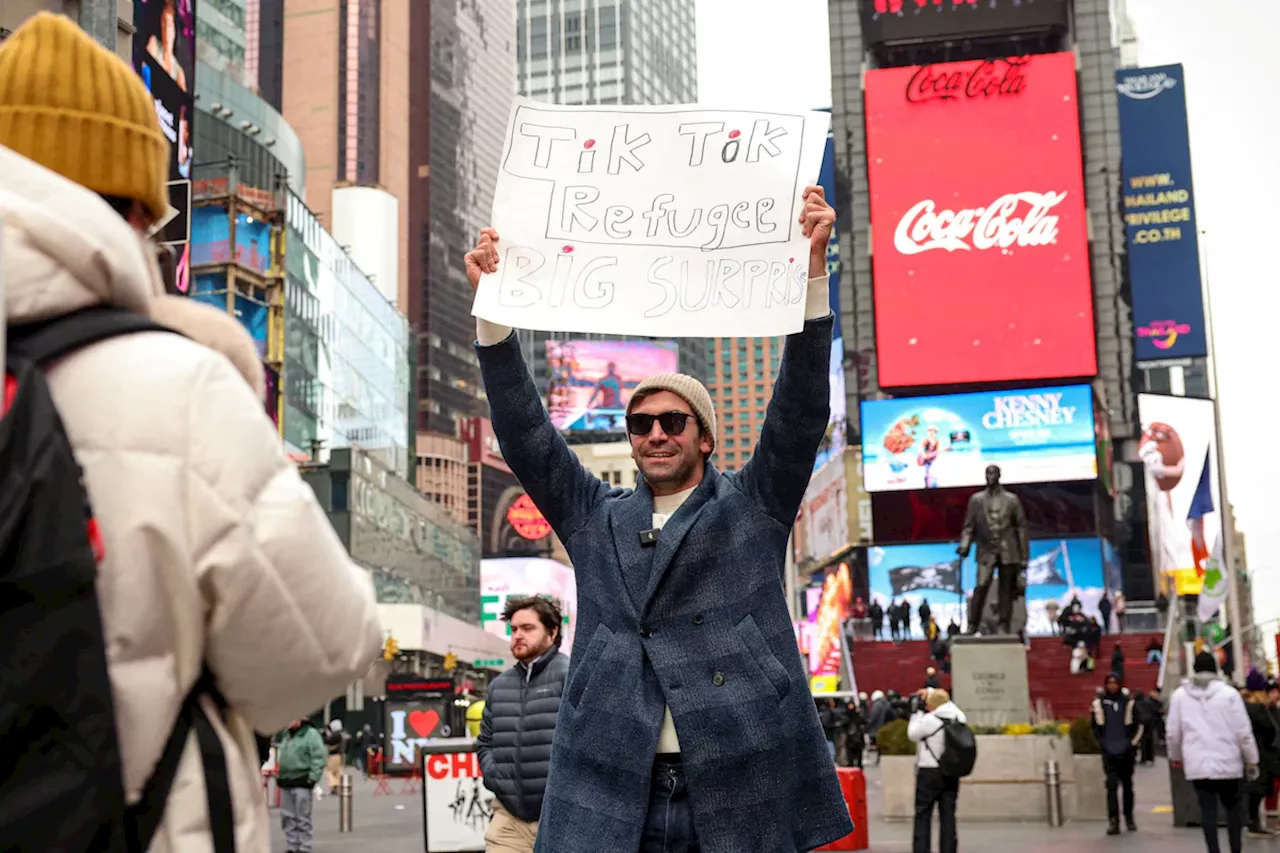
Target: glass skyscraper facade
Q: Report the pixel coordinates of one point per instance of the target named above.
(346, 352)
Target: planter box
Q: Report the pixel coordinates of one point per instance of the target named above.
(1087, 798)
(1007, 783)
(898, 786)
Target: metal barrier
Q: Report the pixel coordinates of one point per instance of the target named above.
(1053, 792)
(344, 804)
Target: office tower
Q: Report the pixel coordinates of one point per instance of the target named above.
(221, 37)
(607, 51)
(410, 98)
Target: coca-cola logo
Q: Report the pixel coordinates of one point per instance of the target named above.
(996, 226)
(987, 78)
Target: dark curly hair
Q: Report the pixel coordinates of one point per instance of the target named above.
(547, 608)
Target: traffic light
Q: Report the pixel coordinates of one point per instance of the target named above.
(450, 662)
(390, 649)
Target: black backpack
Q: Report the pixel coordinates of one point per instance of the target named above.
(959, 750)
(61, 782)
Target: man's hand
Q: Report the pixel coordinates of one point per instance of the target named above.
(816, 220)
(483, 258)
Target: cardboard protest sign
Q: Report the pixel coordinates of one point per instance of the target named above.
(657, 221)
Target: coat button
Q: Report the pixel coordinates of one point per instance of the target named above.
(697, 619)
(718, 679)
(646, 633)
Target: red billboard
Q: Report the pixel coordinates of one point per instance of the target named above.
(979, 237)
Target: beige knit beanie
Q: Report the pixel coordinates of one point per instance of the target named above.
(689, 389)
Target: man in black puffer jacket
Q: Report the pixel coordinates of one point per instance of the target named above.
(519, 722)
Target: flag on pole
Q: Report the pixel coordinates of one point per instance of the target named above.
(1207, 555)
(1201, 505)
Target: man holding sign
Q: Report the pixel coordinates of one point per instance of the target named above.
(686, 722)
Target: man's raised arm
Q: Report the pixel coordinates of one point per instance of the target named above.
(549, 471)
(778, 472)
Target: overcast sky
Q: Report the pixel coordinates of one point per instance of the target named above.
(1232, 68)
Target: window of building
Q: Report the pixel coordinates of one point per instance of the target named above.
(608, 28)
(573, 32)
(538, 38)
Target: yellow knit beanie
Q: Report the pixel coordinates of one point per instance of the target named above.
(74, 107)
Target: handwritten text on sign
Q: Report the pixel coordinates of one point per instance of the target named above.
(653, 220)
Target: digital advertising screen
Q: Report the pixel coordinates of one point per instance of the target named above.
(979, 235)
(835, 441)
(164, 55)
(503, 578)
(833, 606)
(906, 21)
(1059, 569)
(1160, 214)
(591, 381)
(1037, 435)
(1179, 453)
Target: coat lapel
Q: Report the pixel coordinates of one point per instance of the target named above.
(627, 519)
(674, 531)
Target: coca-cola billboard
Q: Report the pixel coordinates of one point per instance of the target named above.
(979, 235)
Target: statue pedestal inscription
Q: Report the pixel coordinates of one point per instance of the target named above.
(989, 680)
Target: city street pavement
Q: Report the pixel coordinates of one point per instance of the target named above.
(382, 827)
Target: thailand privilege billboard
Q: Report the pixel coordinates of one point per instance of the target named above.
(1160, 214)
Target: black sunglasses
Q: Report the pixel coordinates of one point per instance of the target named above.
(672, 423)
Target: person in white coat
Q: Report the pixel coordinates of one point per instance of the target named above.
(1210, 737)
(216, 552)
(932, 788)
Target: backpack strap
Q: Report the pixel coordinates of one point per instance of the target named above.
(142, 819)
(44, 341)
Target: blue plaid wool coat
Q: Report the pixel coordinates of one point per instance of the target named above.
(698, 622)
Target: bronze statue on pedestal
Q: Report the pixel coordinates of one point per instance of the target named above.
(996, 522)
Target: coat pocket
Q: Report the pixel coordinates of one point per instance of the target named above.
(584, 674)
(759, 651)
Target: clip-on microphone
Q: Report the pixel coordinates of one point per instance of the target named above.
(649, 537)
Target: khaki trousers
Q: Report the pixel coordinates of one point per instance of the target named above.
(509, 834)
(333, 769)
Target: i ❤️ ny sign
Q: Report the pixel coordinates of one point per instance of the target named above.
(411, 725)
(652, 220)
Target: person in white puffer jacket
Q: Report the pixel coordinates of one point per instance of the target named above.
(1210, 737)
(214, 553)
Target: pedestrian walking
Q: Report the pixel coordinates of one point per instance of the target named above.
(230, 603)
(832, 724)
(685, 628)
(519, 723)
(927, 728)
(926, 613)
(1121, 608)
(1117, 662)
(301, 767)
(1211, 739)
(895, 621)
(877, 620)
(1118, 729)
(335, 742)
(854, 734)
(1104, 611)
(1150, 711)
(1266, 734)
(368, 746)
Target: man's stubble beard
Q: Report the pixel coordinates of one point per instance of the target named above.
(680, 474)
